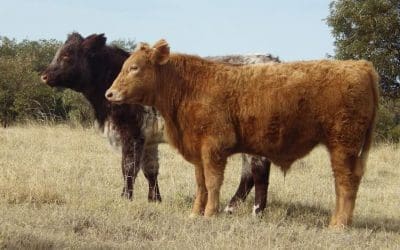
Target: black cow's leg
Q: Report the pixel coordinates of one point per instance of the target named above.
(150, 166)
(245, 185)
(131, 154)
(260, 168)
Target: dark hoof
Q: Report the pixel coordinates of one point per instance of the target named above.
(126, 194)
(154, 198)
(257, 210)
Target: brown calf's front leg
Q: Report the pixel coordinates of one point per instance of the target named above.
(201, 192)
(150, 167)
(347, 170)
(131, 155)
(214, 176)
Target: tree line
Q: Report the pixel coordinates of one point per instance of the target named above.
(367, 29)
(370, 29)
(23, 97)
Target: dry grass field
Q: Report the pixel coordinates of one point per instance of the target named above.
(59, 188)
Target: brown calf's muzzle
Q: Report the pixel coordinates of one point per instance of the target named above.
(113, 95)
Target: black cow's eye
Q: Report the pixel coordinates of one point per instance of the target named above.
(65, 57)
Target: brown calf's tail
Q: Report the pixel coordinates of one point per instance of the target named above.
(374, 81)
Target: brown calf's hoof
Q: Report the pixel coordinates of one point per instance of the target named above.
(337, 226)
(338, 223)
(194, 215)
(210, 213)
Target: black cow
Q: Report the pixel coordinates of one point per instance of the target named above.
(89, 66)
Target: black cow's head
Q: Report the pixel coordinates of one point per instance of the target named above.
(70, 67)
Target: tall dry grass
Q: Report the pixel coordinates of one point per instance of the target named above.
(59, 188)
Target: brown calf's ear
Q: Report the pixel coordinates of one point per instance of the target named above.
(160, 52)
(94, 42)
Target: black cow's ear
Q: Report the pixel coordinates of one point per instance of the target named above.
(75, 36)
(94, 42)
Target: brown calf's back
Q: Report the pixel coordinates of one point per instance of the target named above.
(280, 111)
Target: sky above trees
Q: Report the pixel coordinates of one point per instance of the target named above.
(292, 30)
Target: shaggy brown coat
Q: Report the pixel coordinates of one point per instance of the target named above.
(280, 111)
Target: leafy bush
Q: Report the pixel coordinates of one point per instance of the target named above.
(22, 95)
(388, 121)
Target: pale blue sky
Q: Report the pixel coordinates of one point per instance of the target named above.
(290, 29)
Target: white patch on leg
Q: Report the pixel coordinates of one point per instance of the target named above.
(113, 136)
(255, 207)
(153, 126)
(228, 209)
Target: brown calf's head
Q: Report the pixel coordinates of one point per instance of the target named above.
(70, 67)
(136, 83)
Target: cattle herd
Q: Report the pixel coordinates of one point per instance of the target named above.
(211, 108)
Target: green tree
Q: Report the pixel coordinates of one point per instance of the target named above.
(8, 81)
(22, 95)
(39, 52)
(128, 45)
(14, 74)
(369, 29)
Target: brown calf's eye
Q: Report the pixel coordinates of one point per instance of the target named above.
(65, 57)
(133, 68)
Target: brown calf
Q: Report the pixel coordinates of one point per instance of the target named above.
(280, 111)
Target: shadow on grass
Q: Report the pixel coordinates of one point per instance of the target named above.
(378, 224)
(310, 215)
(25, 240)
(307, 214)
(319, 216)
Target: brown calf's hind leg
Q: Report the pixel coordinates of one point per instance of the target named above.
(347, 170)
(150, 166)
(201, 192)
(214, 154)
